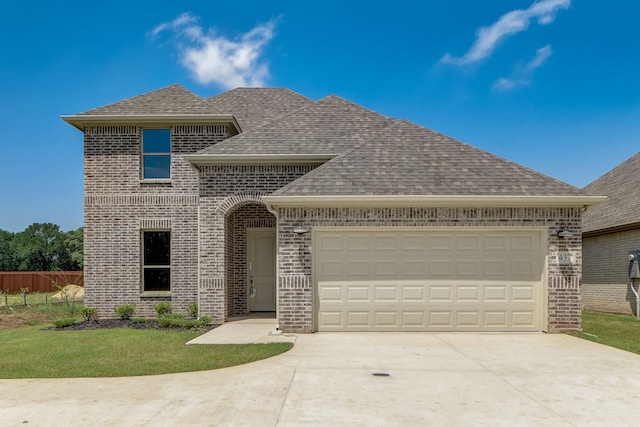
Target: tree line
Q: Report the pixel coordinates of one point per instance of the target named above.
(42, 247)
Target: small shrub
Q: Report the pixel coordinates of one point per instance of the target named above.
(139, 320)
(193, 309)
(89, 313)
(178, 321)
(125, 311)
(162, 308)
(64, 322)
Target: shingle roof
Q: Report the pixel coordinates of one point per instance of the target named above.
(621, 185)
(408, 159)
(253, 107)
(329, 126)
(173, 99)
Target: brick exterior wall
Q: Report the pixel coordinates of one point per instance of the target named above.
(229, 195)
(119, 205)
(295, 264)
(605, 274)
(209, 210)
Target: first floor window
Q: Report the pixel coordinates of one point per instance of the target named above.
(156, 261)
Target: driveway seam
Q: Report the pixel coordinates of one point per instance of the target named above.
(286, 395)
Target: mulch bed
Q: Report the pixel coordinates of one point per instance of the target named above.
(119, 323)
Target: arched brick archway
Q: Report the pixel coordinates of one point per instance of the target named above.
(241, 212)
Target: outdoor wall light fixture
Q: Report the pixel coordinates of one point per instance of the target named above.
(564, 232)
(300, 230)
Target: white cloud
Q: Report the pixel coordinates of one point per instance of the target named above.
(511, 23)
(521, 76)
(214, 59)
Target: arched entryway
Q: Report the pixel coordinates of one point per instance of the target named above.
(250, 259)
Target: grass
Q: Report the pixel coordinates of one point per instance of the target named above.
(614, 330)
(28, 351)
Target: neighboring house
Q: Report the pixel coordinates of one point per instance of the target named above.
(329, 215)
(612, 229)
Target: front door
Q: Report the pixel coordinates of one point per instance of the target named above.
(261, 268)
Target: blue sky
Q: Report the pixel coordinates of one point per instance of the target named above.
(552, 85)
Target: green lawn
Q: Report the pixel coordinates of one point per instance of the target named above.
(614, 330)
(30, 352)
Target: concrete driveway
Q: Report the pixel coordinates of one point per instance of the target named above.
(326, 379)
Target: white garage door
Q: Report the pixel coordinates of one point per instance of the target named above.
(428, 280)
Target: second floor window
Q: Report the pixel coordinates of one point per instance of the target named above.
(156, 153)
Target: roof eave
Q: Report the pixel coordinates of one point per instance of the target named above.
(257, 159)
(433, 201)
(81, 121)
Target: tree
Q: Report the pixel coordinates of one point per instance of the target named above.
(74, 241)
(8, 256)
(41, 247)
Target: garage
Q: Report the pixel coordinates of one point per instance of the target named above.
(421, 279)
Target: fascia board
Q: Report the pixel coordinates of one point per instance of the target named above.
(433, 201)
(256, 159)
(80, 121)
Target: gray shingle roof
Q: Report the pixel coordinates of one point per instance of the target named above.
(408, 159)
(173, 99)
(329, 126)
(253, 107)
(621, 185)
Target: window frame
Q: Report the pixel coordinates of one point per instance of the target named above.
(144, 266)
(144, 155)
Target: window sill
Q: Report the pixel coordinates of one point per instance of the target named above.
(156, 295)
(164, 181)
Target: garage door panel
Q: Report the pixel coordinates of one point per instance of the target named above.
(468, 293)
(412, 293)
(385, 243)
(430, 281)
(357, 293)
(386, 293)
(468, 268)
(440, 243)
(467, 243)
(358, 243)
(413, 269)
(358, 318)
(443, 268)
(386, 269)
(440, 293)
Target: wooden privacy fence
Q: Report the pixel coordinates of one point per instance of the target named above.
(38, 281)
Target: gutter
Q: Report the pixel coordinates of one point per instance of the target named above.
(257, 159)
(81, 121)
(432, 201)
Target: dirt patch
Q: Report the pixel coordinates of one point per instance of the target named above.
(71, 291)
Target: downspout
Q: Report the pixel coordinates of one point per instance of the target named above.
(634, 273)
(637, 298)
(274, 211)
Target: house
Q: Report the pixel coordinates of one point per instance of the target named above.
(326, 214)
(612, 229)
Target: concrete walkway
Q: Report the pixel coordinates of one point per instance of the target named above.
(456, 379)
(245, 330)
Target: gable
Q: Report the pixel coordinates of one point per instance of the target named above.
(173, 99)
(253, 107)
